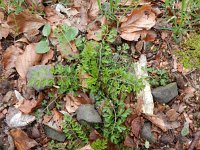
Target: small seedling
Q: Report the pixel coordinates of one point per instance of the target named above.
(52, 145)
(99, 144)
(158, 77)
(74, 133)
(43, 45)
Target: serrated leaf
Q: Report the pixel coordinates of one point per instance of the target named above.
(42, 47)
(46, 30)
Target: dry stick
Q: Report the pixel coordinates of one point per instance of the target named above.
(195, 140)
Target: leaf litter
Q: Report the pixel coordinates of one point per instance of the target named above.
(30, 37)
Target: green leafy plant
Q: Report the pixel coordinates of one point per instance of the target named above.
(66, 78)
(158, 77)
(186, 15)
(52, 145)
(99, 144)
(114, 115)
(74, 133)
(189, 55)
(12, 6)
(43, 45)
(65, 34)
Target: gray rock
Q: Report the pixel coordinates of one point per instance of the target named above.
(166, 93)
(146, 132)
(88, 113)
(40, 77)
(53, 134)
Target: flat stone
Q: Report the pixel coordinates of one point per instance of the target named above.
(88, 113)
(165, 94)
(146, 132)
(53, 134)
(42, 74)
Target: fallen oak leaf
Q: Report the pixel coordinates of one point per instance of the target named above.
(27, 59)
(21, 140)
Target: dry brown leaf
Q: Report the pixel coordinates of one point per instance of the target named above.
(47, 57)
(93, 10)
(134, 36)
(72, 102)
(94, 135)
(140, 20)
(129, 142)
(21, 140)
(27, 59)
(54, 121)
(136, 126)
(172, 115)
(31, 35)
(53, 16)
(139, 45)
(26, 106)
(10, 56)
(4, 32)
(24, 21)
(160, 121)
(151, 36)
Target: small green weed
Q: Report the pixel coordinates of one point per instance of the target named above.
(66, 78)
(114, 114)
(52, 145)
(99, 144)
(43, 45)
(65, 34)
(12, 6)
(74, 133)
(186, 16)
(158, 77)
(189, 56)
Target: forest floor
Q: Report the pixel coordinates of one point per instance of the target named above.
(99, 75)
